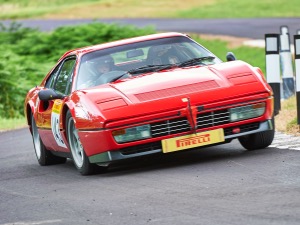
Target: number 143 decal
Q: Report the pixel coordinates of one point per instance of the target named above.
(55, 121)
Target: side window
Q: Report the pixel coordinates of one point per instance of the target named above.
(52, 77)
(63, 80)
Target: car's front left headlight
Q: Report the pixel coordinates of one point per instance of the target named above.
(132, 134)
(247, 112)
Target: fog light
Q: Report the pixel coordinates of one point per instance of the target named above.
(236, 130)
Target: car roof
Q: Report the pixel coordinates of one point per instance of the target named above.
(83, 50)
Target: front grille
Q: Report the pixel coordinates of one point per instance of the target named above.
(214, 118)
(168, 127)
(179, 125)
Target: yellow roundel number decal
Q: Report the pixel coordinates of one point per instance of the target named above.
(55, 121)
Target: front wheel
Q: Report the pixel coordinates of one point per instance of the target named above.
(44, 156)
(80, 159)
(258, 140)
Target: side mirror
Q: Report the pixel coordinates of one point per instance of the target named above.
(49, 94)
(230, 57)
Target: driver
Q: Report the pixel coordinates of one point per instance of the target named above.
(104, 64)
(162, 54)
(91, 71)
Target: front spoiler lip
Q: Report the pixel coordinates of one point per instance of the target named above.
(110, 156)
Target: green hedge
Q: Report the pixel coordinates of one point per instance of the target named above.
(28, 54)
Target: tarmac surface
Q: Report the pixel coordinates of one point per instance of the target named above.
(215, 185)
(254, 28)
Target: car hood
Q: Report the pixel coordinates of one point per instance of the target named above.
(165, 90)
(187, 81)
(166, 84)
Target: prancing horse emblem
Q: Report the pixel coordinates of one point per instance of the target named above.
(191, 114)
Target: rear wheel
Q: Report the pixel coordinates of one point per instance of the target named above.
(44, 156)
(80, 159)
(258, 140)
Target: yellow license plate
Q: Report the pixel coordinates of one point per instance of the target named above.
(192, 140)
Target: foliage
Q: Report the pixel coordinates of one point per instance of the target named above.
(28, 54)
(292, 123)
(13, 33)
(13, 83)
(52, 46)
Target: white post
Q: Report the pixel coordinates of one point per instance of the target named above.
(286, 63)
(273, 67)
(297, 69)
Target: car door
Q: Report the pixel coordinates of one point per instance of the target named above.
(49, 112)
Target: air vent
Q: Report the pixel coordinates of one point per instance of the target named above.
(239, 79)
(186, 89)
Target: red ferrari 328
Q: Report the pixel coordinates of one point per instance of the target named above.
(152, 94)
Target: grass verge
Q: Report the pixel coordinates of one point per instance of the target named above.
(244, 9)
(286, 120)
(17, 9)
(11, 124)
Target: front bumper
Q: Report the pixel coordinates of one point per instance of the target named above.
(156, 147)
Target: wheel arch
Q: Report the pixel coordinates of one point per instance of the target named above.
(29, 113)
(67, 107)
(64, 119)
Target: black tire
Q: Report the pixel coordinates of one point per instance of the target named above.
(79, 157)
(258, 140)
(44, 156)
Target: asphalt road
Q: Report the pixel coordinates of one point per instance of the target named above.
(216, 185)
(254, 28)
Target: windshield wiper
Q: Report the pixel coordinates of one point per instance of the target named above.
(148, 68)
(166, 67)
(124, 75)
(151, 68)
(195, 61)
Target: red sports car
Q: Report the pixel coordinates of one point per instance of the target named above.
(152, 94)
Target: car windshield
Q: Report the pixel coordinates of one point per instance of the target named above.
(108, 65)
